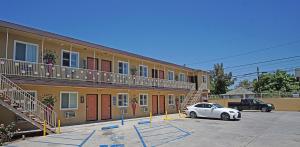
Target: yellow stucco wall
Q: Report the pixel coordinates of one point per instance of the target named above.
(83, 91)
(281, 104)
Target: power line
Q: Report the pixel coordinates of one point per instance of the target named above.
(270, 71)
(266, 61)
(249, 52)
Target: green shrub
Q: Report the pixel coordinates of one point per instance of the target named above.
(7, 132)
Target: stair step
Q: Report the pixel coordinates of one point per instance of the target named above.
(19, 109)
(6, 100)
(13, 104)
(31, 115)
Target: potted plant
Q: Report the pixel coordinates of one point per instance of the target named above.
(133, 71)
(50, 57)
(49, 101)
(133, 105)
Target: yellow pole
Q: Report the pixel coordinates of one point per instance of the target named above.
(44, 130)
(58, 127)
(166, 114)
(151, 119)
(179, 113)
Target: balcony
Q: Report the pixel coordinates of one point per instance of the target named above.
(39, 70)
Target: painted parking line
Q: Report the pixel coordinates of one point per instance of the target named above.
(64, 139)
(110, 127)
(160, 134)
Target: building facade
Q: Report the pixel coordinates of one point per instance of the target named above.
(88, 82)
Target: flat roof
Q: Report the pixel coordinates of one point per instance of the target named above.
(84, 43)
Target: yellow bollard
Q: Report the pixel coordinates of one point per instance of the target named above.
(179, 113)
(58, 127)
(44, 130)
(150, 119)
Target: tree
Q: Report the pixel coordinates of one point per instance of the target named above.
(245, 84)
(220, 81)
(278, 81)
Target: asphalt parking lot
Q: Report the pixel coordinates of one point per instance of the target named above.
(255, 129)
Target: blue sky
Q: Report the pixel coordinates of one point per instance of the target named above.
(181, 31)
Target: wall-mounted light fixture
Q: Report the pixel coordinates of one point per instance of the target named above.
(82, 99)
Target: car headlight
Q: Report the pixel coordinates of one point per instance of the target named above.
(231, 112)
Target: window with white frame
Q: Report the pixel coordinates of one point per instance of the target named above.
(123, 67)
(25, 51)
(171, 75)
(143, 99)
(181, 77)
(181, 98)
(171, 99)
(143, 71)
(204, 79)
(122, 99)
(69, 100)
(70, 58)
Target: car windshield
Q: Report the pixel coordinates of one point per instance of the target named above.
(259, 101)
(218, 106)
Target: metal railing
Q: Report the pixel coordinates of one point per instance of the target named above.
(27, 102)
(193, 96)
(21, 68)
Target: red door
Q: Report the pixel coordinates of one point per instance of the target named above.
(91, 107)
(154, 104)
(106, 65)
(92, 64)
(105, 107)
(161, 74)
(162, 104)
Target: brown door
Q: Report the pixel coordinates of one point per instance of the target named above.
(91, 107)
(154, 104)
(161, 74)
(92, 63)
(105, 107)
(106, 65)
(162, 104)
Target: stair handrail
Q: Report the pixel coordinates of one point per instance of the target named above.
(29, 104)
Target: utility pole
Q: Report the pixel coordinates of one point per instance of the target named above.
(257, 71)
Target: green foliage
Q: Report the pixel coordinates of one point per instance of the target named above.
(220, 81)
(245, 84)
(50, 57)
(133, 71)
(49, 100)
(278, 81)
(7, 132)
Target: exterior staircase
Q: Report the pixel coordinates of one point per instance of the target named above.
(26, 106)
(194, 96)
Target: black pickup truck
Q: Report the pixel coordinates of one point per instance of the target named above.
(251, 104)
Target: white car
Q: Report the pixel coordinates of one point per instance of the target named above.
(212, 110)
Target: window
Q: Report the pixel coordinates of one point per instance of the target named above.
(181, 98)
(25, 51)
(68, 100)
(143, 71)
(123, 100)
(123, 67)
(143, 99)
(181, 77)
(70, 58)
(171, 75)
(171, 99)
(199, 105)
(204, 79)
(207, 105)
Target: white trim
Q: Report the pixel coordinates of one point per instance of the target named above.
(61, 57)
(146, 97)
(69, 92)
(123, 101)
(173, 75)
(128, 71)
(184, 77)
(173, 97)
(142, 65)
(6, 44)
(26, 43)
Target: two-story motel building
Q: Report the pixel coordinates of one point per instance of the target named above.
(89, 82)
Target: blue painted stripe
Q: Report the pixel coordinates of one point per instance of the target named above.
(85, 140)
(110, 127)
(144, 122)
(117, 145)
(181, 129)
(48, 142)
(140, 136)
(103, 145)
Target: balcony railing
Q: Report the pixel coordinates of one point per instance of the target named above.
(21, 68)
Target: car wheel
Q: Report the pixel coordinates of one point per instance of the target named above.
(193, 115)
(225, 116)
(264, 109)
